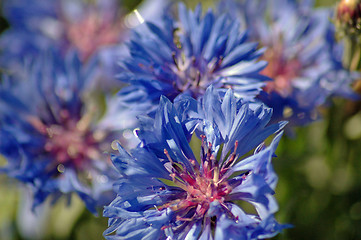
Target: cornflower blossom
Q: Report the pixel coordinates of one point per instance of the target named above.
(304, 58)
(50, 134)
(187, 54)
(93, 29)
(64, 24)
(165, 192)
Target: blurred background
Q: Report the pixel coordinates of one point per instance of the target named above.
(319, 188)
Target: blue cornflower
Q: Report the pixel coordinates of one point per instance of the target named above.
(166, 192)
(304, 58)
(186, 55)
(95, 29)
(49, 133)
(65, 25)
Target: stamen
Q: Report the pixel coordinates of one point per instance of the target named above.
(231, 159)
(37, 124)
(172, 175)
(198, 78)
(216, 175)
(168, 156)
(176, 39)
(195, 167)
(175, 60)
(202, 187)
(202, 148)
(216, 64)
(184, 219)
(209, 152)
(164, 227)
(175, 166)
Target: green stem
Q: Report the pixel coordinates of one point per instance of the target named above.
(352, 54)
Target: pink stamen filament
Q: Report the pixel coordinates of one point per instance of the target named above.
(201, 187)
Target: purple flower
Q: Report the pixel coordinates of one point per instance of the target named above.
(165, 191)
(49, 131)
(64, 24)
(93, 29)
(302, 54)
(186, 55)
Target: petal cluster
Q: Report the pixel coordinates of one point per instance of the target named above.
(165, 191)
(303, 56)
(62, 25)
(188, 54)
(49, 134)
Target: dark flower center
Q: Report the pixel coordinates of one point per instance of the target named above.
(193, 74)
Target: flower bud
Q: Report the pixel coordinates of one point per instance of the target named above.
(348, 16)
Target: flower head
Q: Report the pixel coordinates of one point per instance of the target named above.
(49, 134)
(187, 55)
(304, 58)
(164, 190)
(84, 26)
(64, 25)
(348, 16)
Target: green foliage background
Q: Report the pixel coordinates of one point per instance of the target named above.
(319, 189)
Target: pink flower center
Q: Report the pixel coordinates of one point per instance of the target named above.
(281, 70)
(70, 142)
(93, 32)
(202, 186)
